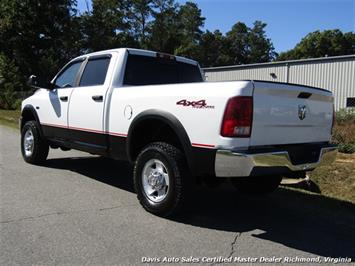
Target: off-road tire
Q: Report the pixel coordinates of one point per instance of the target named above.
(40, 146)
(179, 178)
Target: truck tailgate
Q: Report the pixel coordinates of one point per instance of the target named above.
(289, 114)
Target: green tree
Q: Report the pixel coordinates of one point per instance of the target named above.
(261, 48)
(237, 44)
(37, 36)
(190, 22)
(10, 82)
(164, 27)
(107, 25)
(213, 49)
(248, 45)
(140, 17)
(320, 44)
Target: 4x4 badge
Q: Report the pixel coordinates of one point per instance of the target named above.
(195, 104)
(302, 110)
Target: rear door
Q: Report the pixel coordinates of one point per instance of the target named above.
(289, 114)
(87, 104)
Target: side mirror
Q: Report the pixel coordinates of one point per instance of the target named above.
(32, 81)
(35, 82)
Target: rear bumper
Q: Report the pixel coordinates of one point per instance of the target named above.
(229, 163)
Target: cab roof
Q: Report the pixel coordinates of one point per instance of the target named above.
(140, 52)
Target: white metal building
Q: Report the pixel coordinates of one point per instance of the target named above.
(336, 74)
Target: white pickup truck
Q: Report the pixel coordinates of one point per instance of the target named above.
(156, 111)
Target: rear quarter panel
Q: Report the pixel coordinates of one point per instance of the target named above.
(202, 125)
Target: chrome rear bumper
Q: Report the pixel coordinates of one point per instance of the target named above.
(230, 163)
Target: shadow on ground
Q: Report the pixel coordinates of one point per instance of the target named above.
(307, 222)
(307, 185)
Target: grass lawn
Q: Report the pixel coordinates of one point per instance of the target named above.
(336, 180)
(10, 117)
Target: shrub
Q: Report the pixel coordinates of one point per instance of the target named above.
(10, 82)
(344, 131)
(345, 115)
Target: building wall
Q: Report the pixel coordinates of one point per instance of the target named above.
(336, 74)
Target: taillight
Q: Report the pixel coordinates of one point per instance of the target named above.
(238, 117)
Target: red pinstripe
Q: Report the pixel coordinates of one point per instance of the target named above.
(87, 130)
(202, 145)
(115, 134)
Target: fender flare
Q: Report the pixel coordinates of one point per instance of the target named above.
(30, 108)
(167, 118)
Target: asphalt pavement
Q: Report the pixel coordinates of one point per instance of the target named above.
(81, 209)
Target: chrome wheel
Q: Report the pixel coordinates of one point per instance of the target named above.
(155, 180)
(28, 143)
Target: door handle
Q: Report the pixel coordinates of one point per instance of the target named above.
(97, 98)
(63, 98)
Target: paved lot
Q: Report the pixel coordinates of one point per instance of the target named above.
(81, 209)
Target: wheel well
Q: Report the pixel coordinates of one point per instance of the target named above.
(152, 130)
(27, 115)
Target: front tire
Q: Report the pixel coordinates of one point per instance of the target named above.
(161, 179)
(259, 185)
(34, 147)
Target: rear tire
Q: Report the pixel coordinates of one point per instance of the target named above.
(34, 147)
(161, 179)
(260, 185)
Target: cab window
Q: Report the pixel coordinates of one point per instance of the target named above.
(68, 76)
(95, 71)
(146, 70)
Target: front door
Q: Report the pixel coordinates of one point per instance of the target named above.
(54, 112)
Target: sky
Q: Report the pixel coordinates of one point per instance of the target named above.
(288, 21)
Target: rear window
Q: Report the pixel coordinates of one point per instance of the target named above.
(145, 70)
(95, 72)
